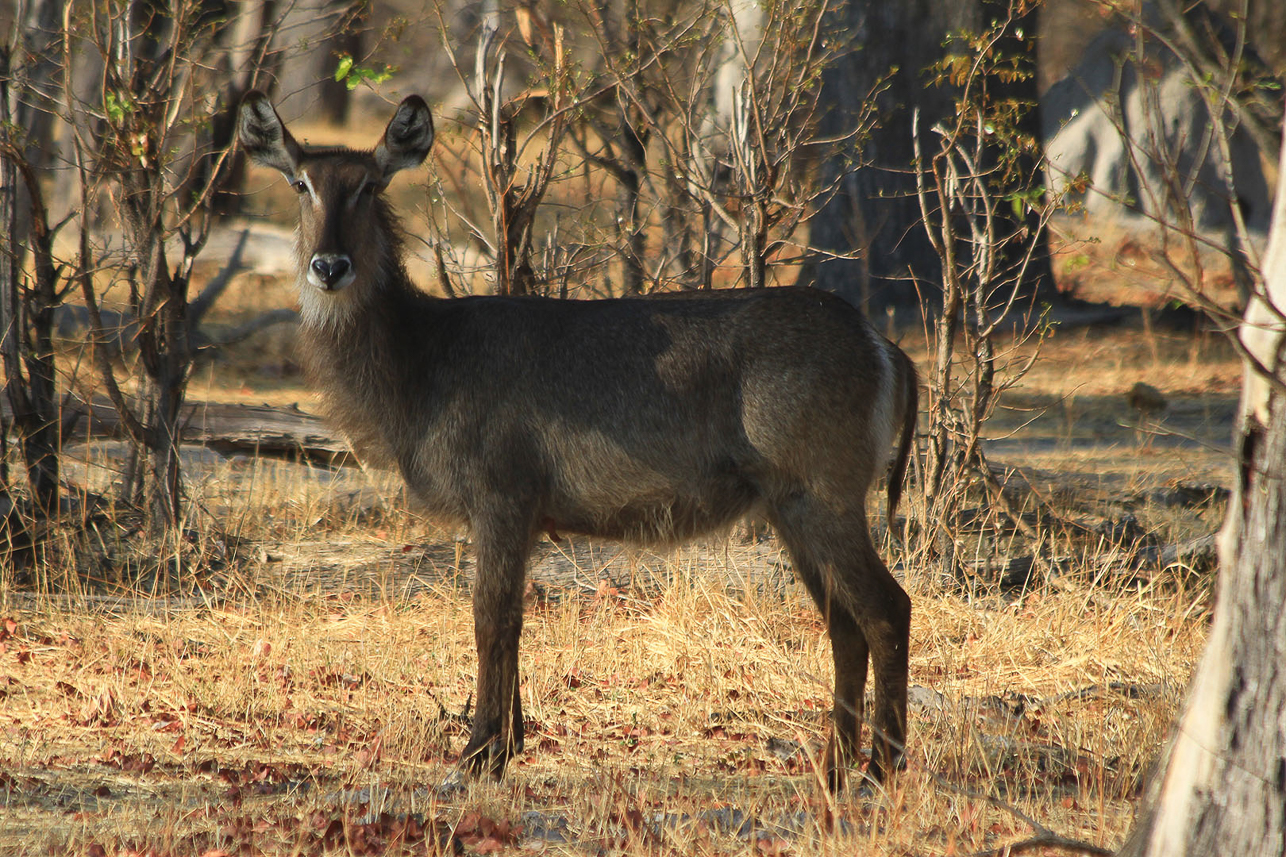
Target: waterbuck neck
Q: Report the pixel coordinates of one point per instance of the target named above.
(364, 364)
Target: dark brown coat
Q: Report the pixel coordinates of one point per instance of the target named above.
(647, 419)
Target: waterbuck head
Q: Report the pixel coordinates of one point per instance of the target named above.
(347, 234)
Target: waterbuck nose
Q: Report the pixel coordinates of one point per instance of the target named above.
(329, 269)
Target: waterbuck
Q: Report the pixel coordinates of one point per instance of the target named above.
(647, 419)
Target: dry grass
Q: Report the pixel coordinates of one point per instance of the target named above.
(681, 719)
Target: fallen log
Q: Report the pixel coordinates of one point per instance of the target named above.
(229, 429)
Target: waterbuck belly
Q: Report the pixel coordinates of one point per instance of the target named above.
(655, 506)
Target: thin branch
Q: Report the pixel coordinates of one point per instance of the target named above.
(1046, 840)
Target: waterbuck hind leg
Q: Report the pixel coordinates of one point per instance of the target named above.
(884, 615)
(867, 613)
(497, 732)
(850, 652)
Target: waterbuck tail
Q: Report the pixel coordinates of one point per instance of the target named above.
(910, 408)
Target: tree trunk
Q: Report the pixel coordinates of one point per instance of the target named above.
(165, 351)
(1220, 787)
(873, 220)
(8, 273)
(27, 301)
(626, 156)
(874, 213)
(251, 64)
(347, 39)
(36, 74)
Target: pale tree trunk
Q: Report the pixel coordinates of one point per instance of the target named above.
(1220, 788)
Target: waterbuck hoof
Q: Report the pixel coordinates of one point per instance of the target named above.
(487, 755)
(885, 764)
(840, 760)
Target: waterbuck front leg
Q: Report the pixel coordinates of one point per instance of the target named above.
(502, 552)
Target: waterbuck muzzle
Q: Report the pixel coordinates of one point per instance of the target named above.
(330, 272)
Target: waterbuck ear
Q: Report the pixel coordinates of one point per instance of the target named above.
(407, 138)
(264, 137)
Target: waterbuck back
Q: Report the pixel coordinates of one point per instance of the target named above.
(648, 419)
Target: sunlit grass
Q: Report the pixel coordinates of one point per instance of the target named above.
(657, 722)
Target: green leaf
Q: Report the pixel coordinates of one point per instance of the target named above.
(353, 75)
(344, 66)
(117, 107)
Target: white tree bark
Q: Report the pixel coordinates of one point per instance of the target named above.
(1221, 786)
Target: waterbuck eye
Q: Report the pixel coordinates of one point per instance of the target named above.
(299, 185)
